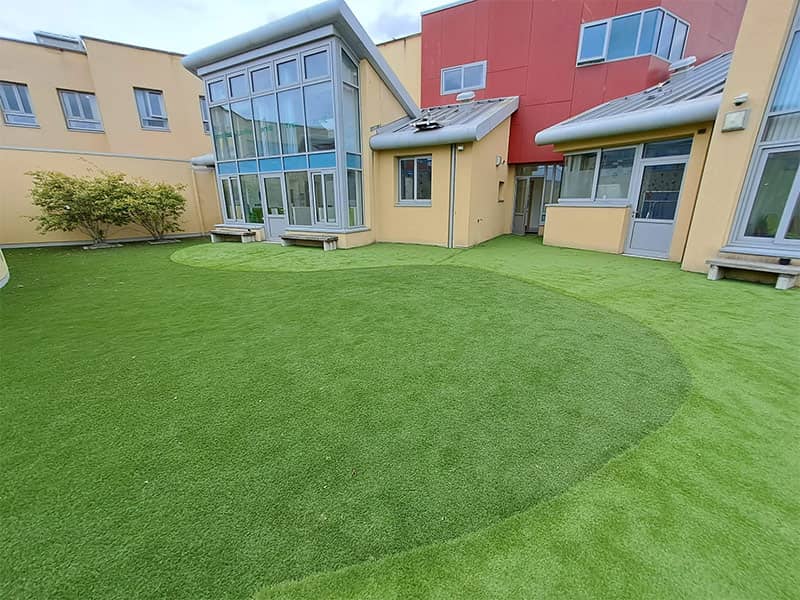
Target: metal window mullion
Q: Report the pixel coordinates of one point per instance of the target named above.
(414, 196)
(596, 177)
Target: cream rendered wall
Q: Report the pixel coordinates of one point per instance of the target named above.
(202, 210)
(488, 217)
(759, 47)
(404, 55)
(110, 71)
(573, 226)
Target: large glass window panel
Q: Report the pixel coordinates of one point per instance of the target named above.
(772, 193)
(651, 24)
(622, 39)
(227, 199)
(349, 70)
(793, 231)
(287, 72)
(679, 147)
(319, 116)
(665, 38)
(474, 76)
(261, 79)
(237, 199)
(406, 179)
(223, 133)
(316, 65)
(678, 41)
(9, 98)
(242, 118)
(298, 198)
(782, 127)
(787, 95)
(273, 192)
(217, 91)
(424, 178)
(593, 42)
(238, 86)
(328, 180)
(451, 80)
(351, 120)
(578, 175)
(232, 198)
(614, 178)
(253, 211)
(265, 120)
(355, 202)
(660, 191)
(292, 122)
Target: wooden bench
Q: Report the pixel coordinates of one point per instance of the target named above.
(787, 274)
(327, 240)
(244, 235)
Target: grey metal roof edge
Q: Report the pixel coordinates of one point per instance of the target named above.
(331, 12)
(445, 7)
(450, 134)
(697, 110)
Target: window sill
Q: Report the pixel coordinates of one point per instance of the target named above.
(769, 251)
(593, 204)
(78, 130)
(164, 129)
(417, 203)
(34, 126)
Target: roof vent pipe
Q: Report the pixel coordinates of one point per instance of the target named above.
(465, 97)
(683, 64)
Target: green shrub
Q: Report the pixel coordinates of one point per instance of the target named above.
(90, 204)
(157, 207)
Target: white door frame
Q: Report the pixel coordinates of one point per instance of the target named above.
(636, 184)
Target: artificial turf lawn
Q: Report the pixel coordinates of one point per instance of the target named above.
(430, 400)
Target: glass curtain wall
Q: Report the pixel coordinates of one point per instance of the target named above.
(277, 116)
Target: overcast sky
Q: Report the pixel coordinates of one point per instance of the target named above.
(186, 25)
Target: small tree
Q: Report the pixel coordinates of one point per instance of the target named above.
(90, 204)
(157, 207)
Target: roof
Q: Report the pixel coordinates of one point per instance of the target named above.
(445, 6)
(449, 124)
(689, 96)
(333, 13)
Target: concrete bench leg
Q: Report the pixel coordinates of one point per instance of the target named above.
(329, 245)
(214, 238)
(786, 282)
(715, 273)
(287, 243)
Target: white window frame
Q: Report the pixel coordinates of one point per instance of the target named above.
(461, 68)
(205, 114)
(608, 22)
(415, 201)
(8, 114)
(150, 115)
(778, 245)
(638, 162)
(73, 122)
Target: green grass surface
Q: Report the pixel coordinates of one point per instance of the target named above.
(471, 427)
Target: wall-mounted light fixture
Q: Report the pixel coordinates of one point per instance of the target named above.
(741, 99)
(498, 160)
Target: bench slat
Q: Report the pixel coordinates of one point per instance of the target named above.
(747, 265)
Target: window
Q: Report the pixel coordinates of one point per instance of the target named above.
(579, 175)
(223, 132)
(242, 122)
(204, 116)
(298, 198)
(293, 129)
(238, 86)
(319, 116)
(349, 70)
(232, 198)
(614, 177)
(654, 31)
(251, 201)
(152, 114)
(769, 212)
(415, 180)
(463, 78)
(80, 111)
(265, 120)
(316, 65)
(261, 79)
(287, 72)
(217, 91)
(16, 104)
(355, 201)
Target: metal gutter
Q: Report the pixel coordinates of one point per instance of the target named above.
(675, 114)
(331, 12)
(451, 216)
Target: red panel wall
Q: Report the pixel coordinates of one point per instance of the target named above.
(531, 48)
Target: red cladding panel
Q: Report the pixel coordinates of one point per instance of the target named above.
(531, 47)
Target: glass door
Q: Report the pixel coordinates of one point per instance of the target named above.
(323, 186)
(653, 218)
(520, 196)
(274, 206)
(232, 200)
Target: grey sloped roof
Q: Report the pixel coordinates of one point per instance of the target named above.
(334, 13)
(686, 97)
(458, 123)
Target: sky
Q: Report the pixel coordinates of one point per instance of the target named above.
(187, 25)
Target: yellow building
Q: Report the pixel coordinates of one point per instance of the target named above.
(81, 104)
(703, 169)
